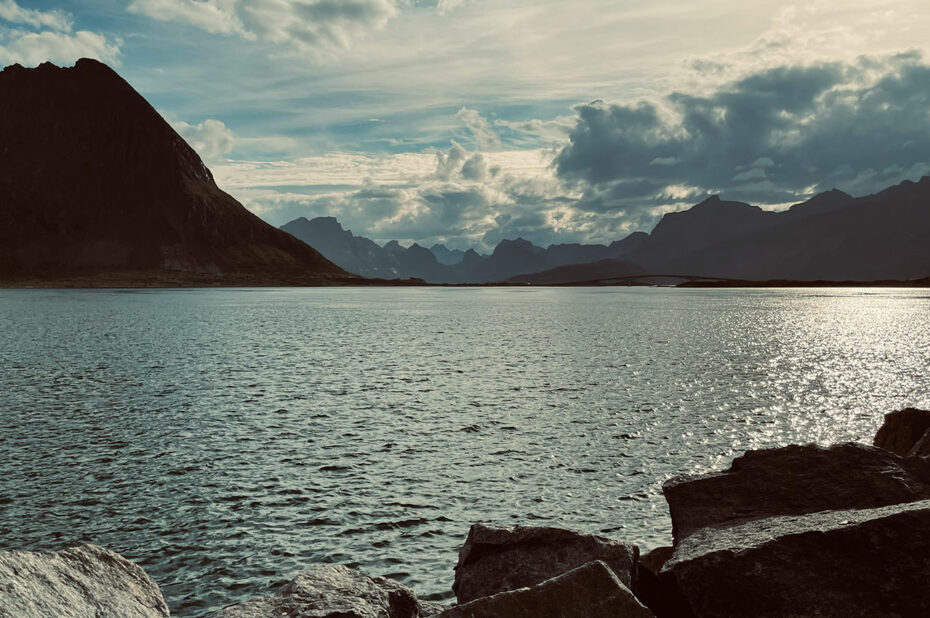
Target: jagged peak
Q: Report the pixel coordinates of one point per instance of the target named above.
(514, 242)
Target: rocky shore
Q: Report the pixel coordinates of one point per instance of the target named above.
(805, 530)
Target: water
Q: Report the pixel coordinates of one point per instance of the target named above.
(226, 439)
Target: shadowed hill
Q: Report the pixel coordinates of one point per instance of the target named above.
(574, 273)
(832, 236)
(94, 182)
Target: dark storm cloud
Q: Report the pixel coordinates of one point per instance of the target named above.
(772, 137)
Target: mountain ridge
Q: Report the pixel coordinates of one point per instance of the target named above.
(94, 182)
(830, 236)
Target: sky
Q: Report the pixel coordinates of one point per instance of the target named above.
(465, 122)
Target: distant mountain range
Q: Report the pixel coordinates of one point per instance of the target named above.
(831, 236)
(440, 265)
(96, 186)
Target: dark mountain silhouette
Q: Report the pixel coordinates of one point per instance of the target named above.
(446, 256)
(687, 232)
(832, 236)
(511, 257)
(355, 254)
(94, 182)
(574, 273)
(626, 246)
(420, 262)
(820, 204)
(470, 258)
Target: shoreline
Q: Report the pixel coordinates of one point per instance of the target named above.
(195, 281)
(840, 530)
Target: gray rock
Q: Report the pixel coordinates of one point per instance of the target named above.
(849, 564)
(334, 591)
(902, 429)
(589, 591)
(497, 558)
(922, 448)
(79, 582)
(794, 480)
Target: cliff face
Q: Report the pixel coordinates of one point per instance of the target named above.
(93, 180)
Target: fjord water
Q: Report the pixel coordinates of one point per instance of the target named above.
(226, 439)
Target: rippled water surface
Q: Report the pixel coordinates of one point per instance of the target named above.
(226, 439)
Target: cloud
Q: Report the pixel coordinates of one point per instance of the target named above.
(480, 129)
(447, 6)
(771, 137)
(211, 138)
(217, 16)
(314, 26)
(56, 20)
(42, 36)
(455, 196)
(32, 48)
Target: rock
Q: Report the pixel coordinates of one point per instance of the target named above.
(922, 448)
(497, 558)
(335, 591)
(659, 594)
(854, 563)
(589, 591)
(76, 582)
(902, 429)
(653, 560)
(794, 480)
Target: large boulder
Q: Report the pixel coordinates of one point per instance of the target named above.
(589, 591)
(75, 583)
(922, 448)
(335, 591)
(849, 564)
(902, 429)
(794, 480)
(498, 558)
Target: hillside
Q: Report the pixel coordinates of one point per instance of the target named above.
(96, 186)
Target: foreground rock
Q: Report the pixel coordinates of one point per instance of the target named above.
(497, 559)
(334, 591)
(795, 480)
(855, 563)
(76, 582)
(922, 448)
(589, 591)
(659, 594)
(902, 430)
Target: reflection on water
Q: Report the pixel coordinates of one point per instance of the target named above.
(226, 439)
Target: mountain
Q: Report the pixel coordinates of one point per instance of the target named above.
(600, 270)
(626, 246)
(688, 231)
(417, 261)
(832, 236)
(94, 183)
(355, 254)
(438, 264)
(519, 257)
(447, 257)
